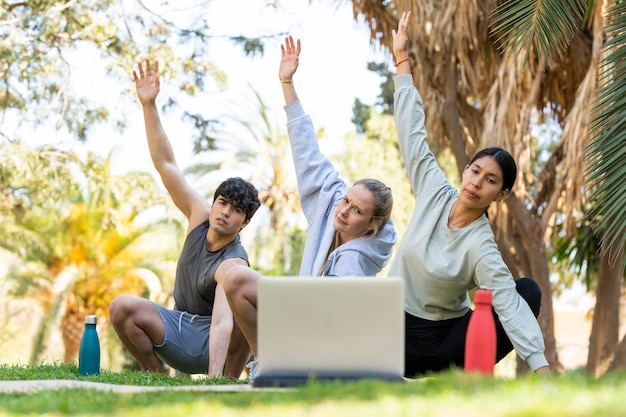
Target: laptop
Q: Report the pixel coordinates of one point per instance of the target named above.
(329, 328)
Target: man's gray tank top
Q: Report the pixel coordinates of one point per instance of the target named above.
(194, 288)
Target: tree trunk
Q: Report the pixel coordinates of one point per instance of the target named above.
(451, 118)
(72, 327)
(619, 361)
(605, 325)
(530, 233)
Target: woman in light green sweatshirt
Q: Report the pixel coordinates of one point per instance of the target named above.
(449, 247)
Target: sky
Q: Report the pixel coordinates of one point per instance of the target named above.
(331, 74)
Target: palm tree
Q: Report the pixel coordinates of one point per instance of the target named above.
(546, 29)
(477, 95)
(79, 234)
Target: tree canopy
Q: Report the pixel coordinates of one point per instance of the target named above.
(41, 42)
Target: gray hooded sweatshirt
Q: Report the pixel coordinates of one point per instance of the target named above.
(320, 190)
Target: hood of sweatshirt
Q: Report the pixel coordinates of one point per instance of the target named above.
(364, 256)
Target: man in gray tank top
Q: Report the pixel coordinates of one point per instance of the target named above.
(199, 335)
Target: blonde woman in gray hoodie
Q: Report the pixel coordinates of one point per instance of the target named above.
(350, 232)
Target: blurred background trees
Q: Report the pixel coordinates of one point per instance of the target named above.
(82, 237)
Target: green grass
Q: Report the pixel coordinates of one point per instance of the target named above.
(447, 394)
(70, 371)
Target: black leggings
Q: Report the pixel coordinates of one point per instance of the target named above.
(432, 346)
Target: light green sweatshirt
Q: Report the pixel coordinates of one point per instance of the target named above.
(440, 265)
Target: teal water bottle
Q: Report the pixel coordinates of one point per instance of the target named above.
(89, 354)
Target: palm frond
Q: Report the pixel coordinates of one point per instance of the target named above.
(606, 173)
(545, 28)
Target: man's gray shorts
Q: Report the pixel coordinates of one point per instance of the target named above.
(186, 343)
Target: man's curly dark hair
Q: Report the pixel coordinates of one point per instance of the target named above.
(239, 193)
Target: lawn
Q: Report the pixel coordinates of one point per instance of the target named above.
(450, 393)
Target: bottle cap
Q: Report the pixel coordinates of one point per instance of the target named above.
(482, 296)
(91, 319)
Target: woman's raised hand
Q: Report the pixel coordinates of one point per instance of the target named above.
(401, 38)
(289, 60)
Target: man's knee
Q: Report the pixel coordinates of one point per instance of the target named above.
(239, 280)
(530, 291)
(121, 308)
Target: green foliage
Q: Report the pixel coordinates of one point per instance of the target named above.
(607, 153)
(288, 251)
(384, 104)
(576, 256)
(545, 28)
(361, 114)
(385, 98)
(41, 42)
(80, 233)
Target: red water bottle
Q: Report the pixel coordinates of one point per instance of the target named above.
(480, 341)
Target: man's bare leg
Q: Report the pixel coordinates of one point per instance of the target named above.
(241, 288)
(139, 326)
(238, 353)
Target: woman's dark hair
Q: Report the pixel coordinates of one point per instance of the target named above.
(383, 200)
(239, 193)
(505, 162)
